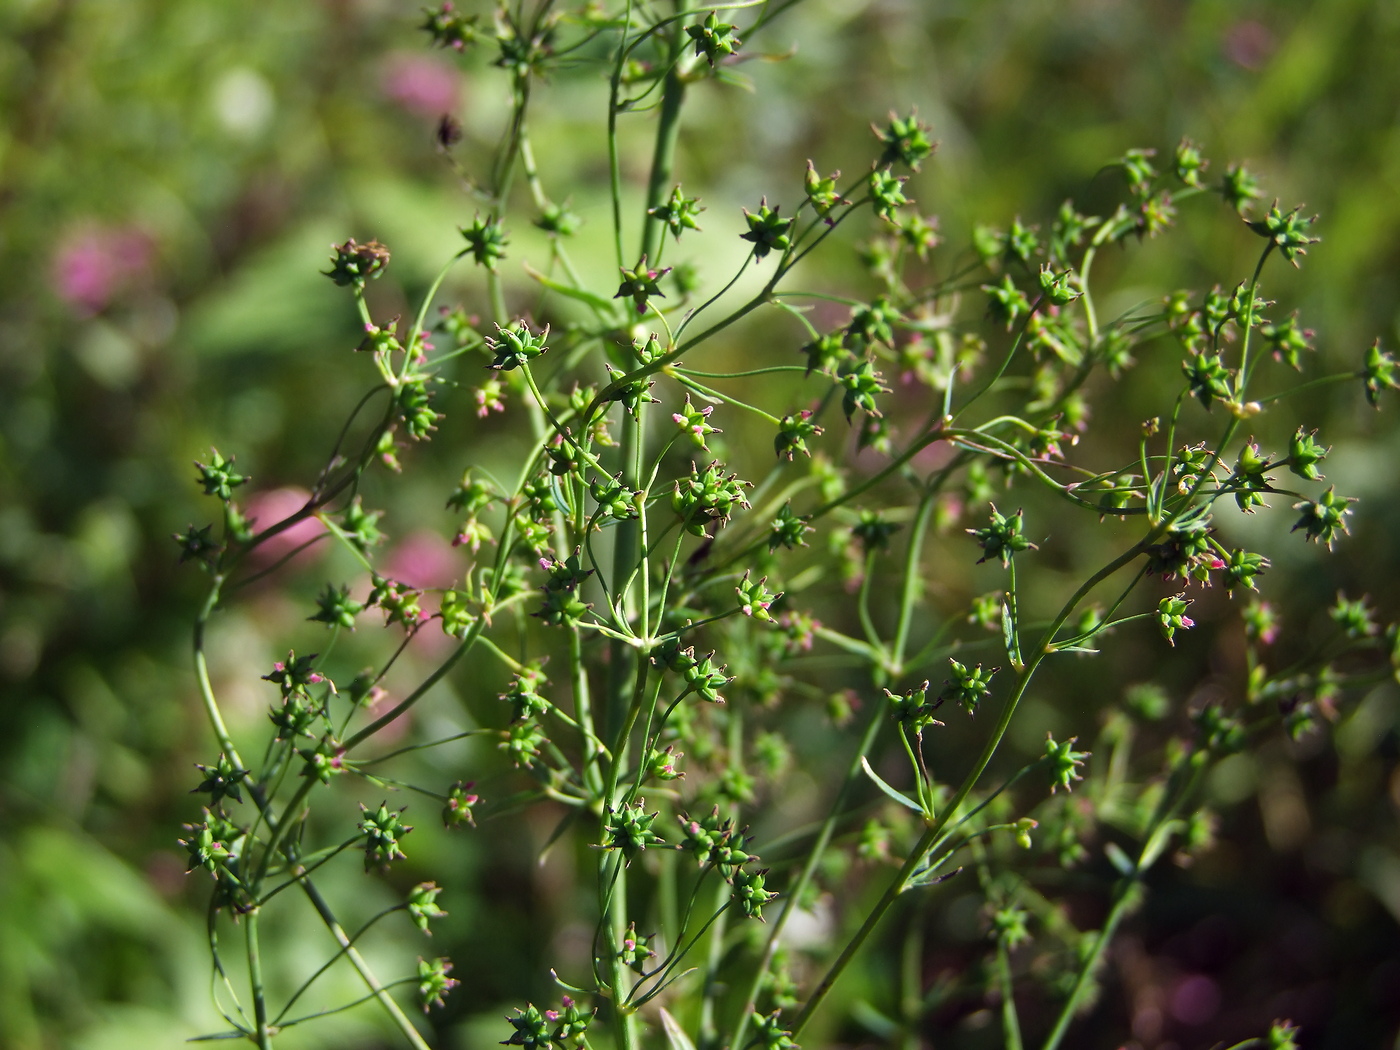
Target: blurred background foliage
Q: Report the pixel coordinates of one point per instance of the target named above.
(172, 174)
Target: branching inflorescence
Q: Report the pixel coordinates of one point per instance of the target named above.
(671, 599)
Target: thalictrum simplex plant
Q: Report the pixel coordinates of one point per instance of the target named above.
(651, 608)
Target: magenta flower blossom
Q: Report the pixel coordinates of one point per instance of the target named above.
(266, 509)
(93, 266)
(420, 84)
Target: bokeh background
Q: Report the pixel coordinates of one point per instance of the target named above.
(172, 173)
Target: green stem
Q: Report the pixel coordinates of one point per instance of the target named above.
(532, 175)
(262, 1032)
(618, 975)
(583, 711)
(1005, 361)
(695, 372)
(709, 1031)
(1120, 906)
(501, 176)
(413, 335)
(468, 641)
(495, 291)
(279, 829)
(379, 992)
(711, 392)
(308, 887)
(201, 672)
(616, 898)
(809, 867)
(935, 831)
(1243, 375)
(1010, 1023)
(1122, 901)
(1340, 377)
(614, 160)
(306, 984)
(911, 979)
(664, 154)
(872, 636)
(979, 441)
(343, 1006)
(913, 578)
(626, 538)
(1101, 236)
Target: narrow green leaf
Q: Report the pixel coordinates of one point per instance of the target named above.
(1118, 859)
(559, 830)
(567, 986)
(903, 800)
(878, 1023)
(676, 1038)
(1157, 844)
(851, 645)
(597, 302)
(928, 878)
(1009, 631)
